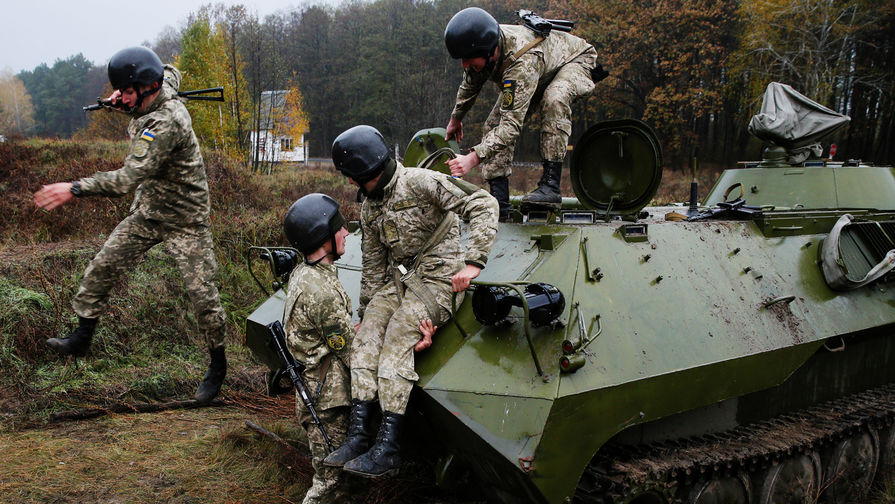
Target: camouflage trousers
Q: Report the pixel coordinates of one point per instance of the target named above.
(552, 103)
(382, 359)
(329, 485)
(193, 252)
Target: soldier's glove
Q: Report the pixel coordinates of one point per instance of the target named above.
(598, 73)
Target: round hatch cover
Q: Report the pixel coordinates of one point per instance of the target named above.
(617, 165)
(426, 142)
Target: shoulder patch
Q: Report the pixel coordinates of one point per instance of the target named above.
(335, 339)
(147, 135)
(508, 94)
(141, 147)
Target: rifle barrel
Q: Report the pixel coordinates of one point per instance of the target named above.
(194, 95)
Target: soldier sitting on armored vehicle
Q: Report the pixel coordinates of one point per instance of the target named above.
(412, 261)
(319, 333)
(537, 70)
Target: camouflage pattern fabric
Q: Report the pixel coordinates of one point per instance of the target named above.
(544, 80)
(193, 251)
(318, 323)
(396, 228)
(171, 205)
(330, 484)
(382, 356)
(164, 164)
(319, 334)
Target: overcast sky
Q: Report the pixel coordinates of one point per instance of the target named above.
(43, 31)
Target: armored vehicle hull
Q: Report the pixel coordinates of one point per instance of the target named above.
(696, 360)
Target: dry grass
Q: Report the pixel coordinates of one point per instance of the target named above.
(146, 348)
(175, 457)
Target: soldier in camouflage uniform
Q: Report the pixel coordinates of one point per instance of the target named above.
(412, 261)
(319, 332)
(171, 205)
(534, 74)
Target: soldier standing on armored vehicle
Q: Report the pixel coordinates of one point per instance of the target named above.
(412, 261)
(537, 70)
(171, 205)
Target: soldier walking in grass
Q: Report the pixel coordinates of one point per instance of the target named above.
(171, 204)
(412, 261)
(535, 72)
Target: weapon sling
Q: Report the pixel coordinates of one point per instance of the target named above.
(412, 281)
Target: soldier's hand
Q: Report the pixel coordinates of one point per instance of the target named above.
(53, 195)
(115, 97)
(454, 130)
(461, 165)
(427, 329)
(460, 282)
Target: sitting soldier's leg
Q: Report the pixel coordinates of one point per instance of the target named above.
(396, 379)
(365, 350)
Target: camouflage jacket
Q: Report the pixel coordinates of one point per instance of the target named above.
(164, 164)
(397, 227)
(517, 79)
(318, 323)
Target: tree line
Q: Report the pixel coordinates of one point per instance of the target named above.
(695, 70)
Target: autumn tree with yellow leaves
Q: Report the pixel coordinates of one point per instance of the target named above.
(206, 62)
(293, 120)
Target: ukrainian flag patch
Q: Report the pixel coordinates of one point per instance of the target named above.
(147, 136)
(508, 98)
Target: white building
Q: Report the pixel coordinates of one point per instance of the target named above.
(272, 147)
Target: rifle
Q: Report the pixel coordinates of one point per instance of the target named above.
(543, 26)
(295, 368)
(198, 95)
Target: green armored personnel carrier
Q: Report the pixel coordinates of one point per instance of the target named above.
(740, 351)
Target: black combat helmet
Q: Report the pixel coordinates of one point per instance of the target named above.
(311, 221)
(135, 65)
(360, 153)
(471, 33)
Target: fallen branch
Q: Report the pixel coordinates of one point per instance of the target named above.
(298, 460)
(85, 413)
(270, 435)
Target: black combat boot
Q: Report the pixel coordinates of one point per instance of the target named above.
(78, 342)
(547, 194)
(500, 189)
(384, 457)
(214, 377)
(360, 434)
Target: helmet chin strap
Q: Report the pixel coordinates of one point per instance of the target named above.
(141, 95)
(334, 253)
(388, 171)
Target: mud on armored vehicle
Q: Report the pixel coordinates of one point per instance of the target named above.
(740, 351)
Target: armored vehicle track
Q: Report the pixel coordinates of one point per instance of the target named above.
(832, 450)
